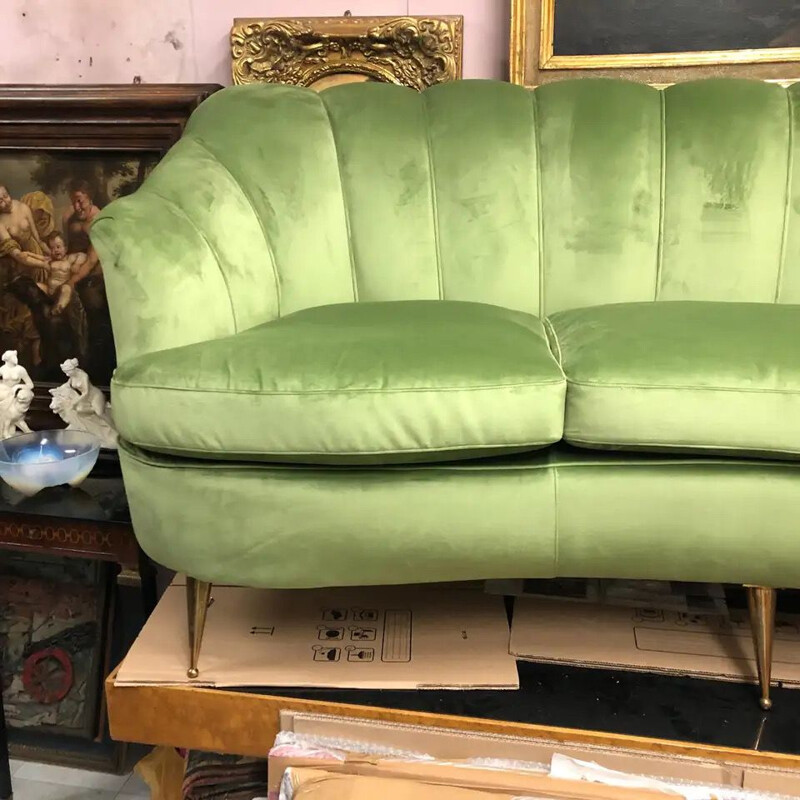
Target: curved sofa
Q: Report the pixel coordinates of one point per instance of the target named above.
(373, 336)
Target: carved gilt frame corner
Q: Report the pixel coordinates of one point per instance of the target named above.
(410, 51)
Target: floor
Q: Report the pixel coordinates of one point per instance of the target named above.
(32, 781)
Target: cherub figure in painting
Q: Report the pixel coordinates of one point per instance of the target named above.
(62, 268)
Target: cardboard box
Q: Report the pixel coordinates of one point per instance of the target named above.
(320, 785)
(650, 640)
(452, 745)
(407, 781)
(398, 638)
(446, 745)
(691, 598)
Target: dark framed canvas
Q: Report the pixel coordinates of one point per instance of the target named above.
(583, 33)
(65, 152)
(52, 643)
(660, 41)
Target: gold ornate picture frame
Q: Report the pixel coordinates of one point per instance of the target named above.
(318, 51)
(542, 51)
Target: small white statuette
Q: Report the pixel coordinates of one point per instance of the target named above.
(13, 373)
(83, 406)
(16, 395)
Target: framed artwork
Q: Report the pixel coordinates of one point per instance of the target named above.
(321, 51)
(658, 41)
(65, 152)
(52, 638)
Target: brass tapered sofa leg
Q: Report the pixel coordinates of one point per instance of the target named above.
(198, 595)
(761, 602)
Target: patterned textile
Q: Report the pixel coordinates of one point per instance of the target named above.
(213, 776)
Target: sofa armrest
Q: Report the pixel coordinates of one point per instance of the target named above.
(164, 282)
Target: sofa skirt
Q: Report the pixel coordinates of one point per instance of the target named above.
(561, 512)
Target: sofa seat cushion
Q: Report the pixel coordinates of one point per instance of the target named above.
(682, 375)
(351, 383)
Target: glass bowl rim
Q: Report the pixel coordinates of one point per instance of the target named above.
(90, 438)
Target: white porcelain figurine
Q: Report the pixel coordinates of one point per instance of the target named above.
(16, 395)
(83, 406)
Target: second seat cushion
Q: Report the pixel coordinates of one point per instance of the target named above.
(682, 375)
(351, 383)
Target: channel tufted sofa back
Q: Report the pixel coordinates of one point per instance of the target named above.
(577, 193)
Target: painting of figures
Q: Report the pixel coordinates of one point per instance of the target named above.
(52, 293)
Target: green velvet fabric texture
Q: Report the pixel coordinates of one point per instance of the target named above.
(577, 193)
(438, 224)
(601, 159)
(683, 375)
(554, 512)
(410, 379)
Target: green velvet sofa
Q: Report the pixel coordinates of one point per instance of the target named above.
(371, 336)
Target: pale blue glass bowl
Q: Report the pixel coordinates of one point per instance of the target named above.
(32, 461)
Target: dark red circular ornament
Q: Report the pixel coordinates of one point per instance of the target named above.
(47, 675)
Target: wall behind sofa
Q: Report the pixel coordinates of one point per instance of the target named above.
(108, 41)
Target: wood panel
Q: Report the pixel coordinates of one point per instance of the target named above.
(244, 723)
(68, 537)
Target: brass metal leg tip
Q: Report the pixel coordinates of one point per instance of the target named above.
(198, 599)
(765, 703)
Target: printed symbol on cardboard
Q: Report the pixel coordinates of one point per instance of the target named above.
(360, 634)
(334, 614)
(322, 653)
(258, 630)
(397, 626)
(330, 634)
(365, 614)
(363, 654)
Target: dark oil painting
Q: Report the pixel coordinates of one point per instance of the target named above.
(53, 302)
(610, 27)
